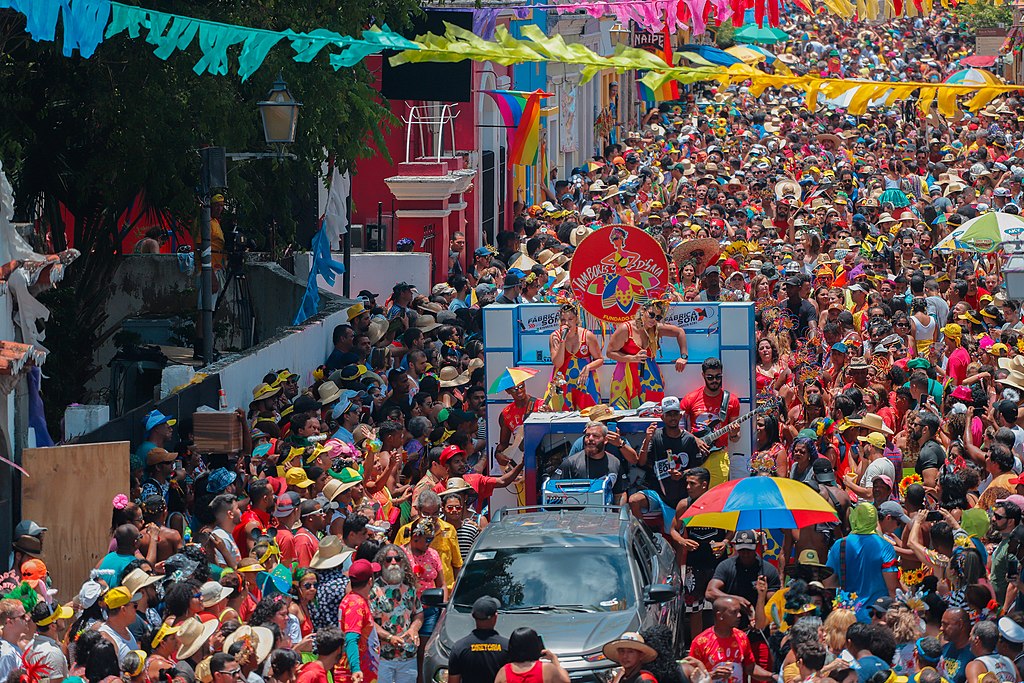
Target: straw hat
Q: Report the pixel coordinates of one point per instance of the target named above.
(457, 485)
(328, 392)
(193, 634)
(451, 377)
(598, 413)
(873, 422)
(377, 329)
(260, 637)
(1016, 367)
(137, 579)
(263, 391)
(426, 323)
(336, 487)
(787, 187)
(578, 234)
(331, 553)
(630, 641)
(704, 251)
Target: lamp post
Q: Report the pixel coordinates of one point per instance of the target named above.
(279, 114)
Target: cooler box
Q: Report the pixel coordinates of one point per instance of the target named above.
(578, 491)
(217, 432)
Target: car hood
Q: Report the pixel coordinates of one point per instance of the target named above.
(564, 633)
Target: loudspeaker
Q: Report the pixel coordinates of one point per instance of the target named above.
(214, 172)
(431, 82)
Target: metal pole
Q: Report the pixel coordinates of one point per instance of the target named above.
(207, 281)
(346, 277)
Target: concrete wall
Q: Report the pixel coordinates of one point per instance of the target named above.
(376, 271)
(301, 349)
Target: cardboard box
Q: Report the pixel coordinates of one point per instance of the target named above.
(217, 432)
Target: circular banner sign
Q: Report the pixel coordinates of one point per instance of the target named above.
(615, 270)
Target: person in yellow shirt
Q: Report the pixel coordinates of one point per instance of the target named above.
(446, 540)
(216, 232)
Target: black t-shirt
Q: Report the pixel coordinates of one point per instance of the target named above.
(579, 466)
(805, 312)
(685, 454)
(703, 557)
(740, 580)
(932, 456)
(479, 656)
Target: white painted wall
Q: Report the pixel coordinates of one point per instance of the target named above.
(376, 271)
(300, 350)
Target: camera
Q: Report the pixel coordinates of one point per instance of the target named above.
(934, 516)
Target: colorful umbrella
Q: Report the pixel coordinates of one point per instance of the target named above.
(981, 61)
(770, 55)
(973, 77)
(510, 378)
(985, 233)
(752, 33)
(745, 54)
(706, 55)
(759, 503)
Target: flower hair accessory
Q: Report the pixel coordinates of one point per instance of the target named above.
(120, 501)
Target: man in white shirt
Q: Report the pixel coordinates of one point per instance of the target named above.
(872, 451)
(15, 634)
(45, 648)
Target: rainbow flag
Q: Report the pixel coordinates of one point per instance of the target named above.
(670, 90)
(520, 112)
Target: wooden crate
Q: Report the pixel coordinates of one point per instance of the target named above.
(69, 491)
(217, 432)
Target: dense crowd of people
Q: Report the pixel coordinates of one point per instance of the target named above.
(893, 373)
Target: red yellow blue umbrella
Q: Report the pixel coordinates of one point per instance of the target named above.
(510, 378)
(759, 503)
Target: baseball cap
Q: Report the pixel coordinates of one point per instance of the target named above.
(891, 508)
(362, 571)
(840, 347)
(1011, 630)
(296, 476)
(117, 597)
(869, 666)
(1014, 498)
(481, 251)
(744, 540)
(881, 604)
(155, 418)
(485, 607)
(450, 452)
(824, 473)
(365, 293)
(885, 479)
(670, 404)
(89, 593)
(711, 270)
(27, 527)
(286, 503)
(794, 281)
(876, 439)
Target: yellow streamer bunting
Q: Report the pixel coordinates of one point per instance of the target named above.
(458, 44)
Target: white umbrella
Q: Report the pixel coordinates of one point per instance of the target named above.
(984, 234)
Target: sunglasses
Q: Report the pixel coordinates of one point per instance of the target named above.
(307, 586)
(392, 559)
(713, 378)
(996, 515)
(655, 316)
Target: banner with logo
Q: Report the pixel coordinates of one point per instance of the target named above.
(615, 270)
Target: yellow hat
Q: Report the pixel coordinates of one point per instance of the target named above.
(355, 311)
(59, 612)
(165, 630)
(117, 597)
(953, 331)
(249, 564)
(296, 476)
(265, 390)
(999, 350)
(874, 438)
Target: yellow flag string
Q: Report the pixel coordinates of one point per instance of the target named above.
(458, 44)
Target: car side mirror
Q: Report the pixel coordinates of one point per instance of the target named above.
(432, 597)
(654, 595)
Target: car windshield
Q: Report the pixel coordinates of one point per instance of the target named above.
(548, 578)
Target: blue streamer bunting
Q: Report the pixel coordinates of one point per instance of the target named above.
(84, 22)
(322, 266)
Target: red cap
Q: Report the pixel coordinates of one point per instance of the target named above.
(449, 452)
(362, 571)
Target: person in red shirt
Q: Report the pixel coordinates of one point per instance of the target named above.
(358, 625)
(286, 513)
(724, 649)
(257, 517)
(959, 358)
(306, 539)
(454, 458)
(703, 405)
(329, 643)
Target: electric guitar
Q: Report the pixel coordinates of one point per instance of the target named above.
(714, 430)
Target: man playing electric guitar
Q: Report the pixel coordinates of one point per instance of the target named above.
(702, 407)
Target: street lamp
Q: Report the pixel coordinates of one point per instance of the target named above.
(280, 114)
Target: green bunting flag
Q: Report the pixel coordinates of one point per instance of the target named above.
(84, 22)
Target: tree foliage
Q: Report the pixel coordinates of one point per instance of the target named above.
(984, 14)
(91, 133)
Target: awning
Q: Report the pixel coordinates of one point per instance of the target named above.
(980, 61)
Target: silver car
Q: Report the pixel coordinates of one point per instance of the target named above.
(580, 577)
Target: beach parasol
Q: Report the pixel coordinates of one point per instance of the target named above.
(973, 77)
(979, 60)
(510, 378)
(706, 55)
(745, 54)
(759, 503)
(769, 55)
(985, 233)
(752, 33)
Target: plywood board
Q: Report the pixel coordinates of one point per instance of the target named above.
(69, 492)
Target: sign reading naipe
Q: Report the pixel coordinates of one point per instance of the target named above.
(617, 269)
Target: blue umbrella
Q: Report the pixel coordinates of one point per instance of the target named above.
(706, 55)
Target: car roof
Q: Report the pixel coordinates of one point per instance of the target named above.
(581, 528)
